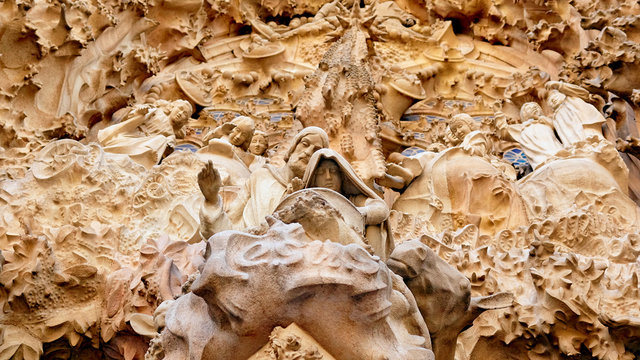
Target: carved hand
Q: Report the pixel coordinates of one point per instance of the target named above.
(295, 185)
(550, 85)
(472, 150)
(209, 181)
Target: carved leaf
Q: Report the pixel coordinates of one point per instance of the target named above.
(82, 271)
(143, 324)
(18, 341)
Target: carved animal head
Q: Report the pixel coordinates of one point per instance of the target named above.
(442, 293)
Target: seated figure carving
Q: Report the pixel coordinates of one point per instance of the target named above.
(263, 190)
(574, 119)
(461, 185)
(329, 170)
(589, 170)
(228, 149)
(458, 128)
(462, 132)
(535, 135)
(146, 130)
(237, 132)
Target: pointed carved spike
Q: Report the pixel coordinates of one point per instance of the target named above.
(355, 10)
(63, 17)
(368, 21)
(344, 22)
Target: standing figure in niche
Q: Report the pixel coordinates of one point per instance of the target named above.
(262, 192)
(574, 119)
(147, 130)
(535, 135)
(328, 169)
(461, 133)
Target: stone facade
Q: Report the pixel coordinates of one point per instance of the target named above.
(300, 179)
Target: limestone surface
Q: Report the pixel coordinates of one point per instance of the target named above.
(306, 179)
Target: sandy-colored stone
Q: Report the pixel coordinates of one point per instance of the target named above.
(314, 179)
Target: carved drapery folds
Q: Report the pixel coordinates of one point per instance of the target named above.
(473, 194)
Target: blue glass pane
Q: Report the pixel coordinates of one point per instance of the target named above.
(516, 157)
(186, 147)
(412, 151)
(277, 117)
(218, 114)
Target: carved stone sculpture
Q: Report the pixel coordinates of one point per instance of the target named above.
(249, 284)
(227, 147)
(574, 119)
(237, 132)
(442, 293)
(292, 342)
(328, 170)
(307, 143)
(144, 132)
(264, 188)
(456, 187)
(536, 135)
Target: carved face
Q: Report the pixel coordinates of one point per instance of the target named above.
(258, 144)
(460, 130)
(530, 110)
(181, 113)
(302, 153)
(555, 99)
(328, 175)
(237, 137)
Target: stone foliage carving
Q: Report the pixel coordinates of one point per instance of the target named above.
(319, 180)
(442, 293)
(290, 343)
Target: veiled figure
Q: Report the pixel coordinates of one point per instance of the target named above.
(329, 170)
